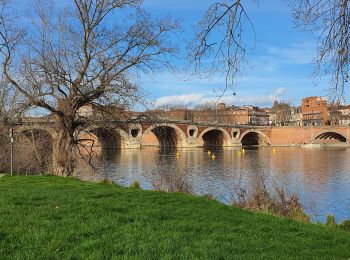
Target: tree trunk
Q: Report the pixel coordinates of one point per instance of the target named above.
(63, 150)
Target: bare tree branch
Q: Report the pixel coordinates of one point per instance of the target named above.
(330, 19)
(219, 45)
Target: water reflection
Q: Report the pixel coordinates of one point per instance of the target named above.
(321, 176)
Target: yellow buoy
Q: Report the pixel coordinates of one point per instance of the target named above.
(213, 156)
(209, 152)
(177, 154)
(243, 151)
(274, 150)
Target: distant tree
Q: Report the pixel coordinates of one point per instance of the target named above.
(335, 114)
(66, 58)
(330, 19)
(282, 111)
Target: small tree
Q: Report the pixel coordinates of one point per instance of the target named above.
(82, 53)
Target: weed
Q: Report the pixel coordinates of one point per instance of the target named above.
(331, 221)
(135, 185)
(255, 195)
(345, 225)
(107, 181)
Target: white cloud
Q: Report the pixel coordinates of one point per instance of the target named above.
(190, 100)
(180, 100)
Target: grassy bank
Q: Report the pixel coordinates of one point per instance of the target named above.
(52, 217)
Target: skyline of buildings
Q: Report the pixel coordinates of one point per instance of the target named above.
(313, 111)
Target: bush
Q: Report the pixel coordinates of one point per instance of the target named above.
(256, 196)
(331, 221)
(107, 181)
(32, 151)
(168, 178)
(135, 185)
(209, 196)
(345, 225)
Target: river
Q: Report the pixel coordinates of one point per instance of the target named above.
(321, 176)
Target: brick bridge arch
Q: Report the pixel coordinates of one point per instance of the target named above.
(25, 128)
(168, 135)
(214, 136)
(254, 137)
(108, 138)
(329, 136)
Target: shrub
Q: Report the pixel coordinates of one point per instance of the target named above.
(168, 178)
(209, 196)
(255, 195)
(331, 221)
(345, 225)
(107, 181)
(135, 185)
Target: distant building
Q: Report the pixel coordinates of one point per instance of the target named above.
(345, 110)
(282, 114)
(233, 115)
(314, 111)
(272, 116)
(295, 117)
(221, 106)
(181, 114)
(340, 115)
(222, 114)
(246, 115)
(258, 116)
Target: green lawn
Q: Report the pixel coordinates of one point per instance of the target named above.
(51, 217)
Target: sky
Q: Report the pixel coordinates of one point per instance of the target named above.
(279, 67)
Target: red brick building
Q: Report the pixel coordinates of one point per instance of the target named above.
(314, 111)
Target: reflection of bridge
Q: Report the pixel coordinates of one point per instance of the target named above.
(189, 134)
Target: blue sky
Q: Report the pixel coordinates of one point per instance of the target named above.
(279, 67)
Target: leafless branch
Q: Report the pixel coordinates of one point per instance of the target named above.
(330, 19)
(219, 45)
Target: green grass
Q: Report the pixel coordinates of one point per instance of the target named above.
(50, 217)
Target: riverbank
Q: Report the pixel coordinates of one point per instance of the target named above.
(52, 217)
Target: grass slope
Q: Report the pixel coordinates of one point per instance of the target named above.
(52, 217)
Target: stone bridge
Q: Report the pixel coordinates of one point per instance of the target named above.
(189, 134)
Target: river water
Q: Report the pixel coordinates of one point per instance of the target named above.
(321, 176)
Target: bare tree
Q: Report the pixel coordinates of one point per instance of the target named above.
(282, 111)
(330, 19)
(220, 44)
(77, 55)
